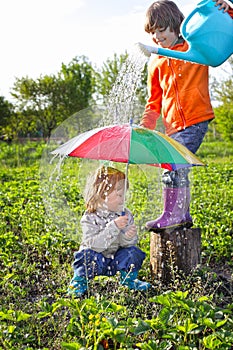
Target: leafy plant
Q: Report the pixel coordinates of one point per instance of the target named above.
(192, 312)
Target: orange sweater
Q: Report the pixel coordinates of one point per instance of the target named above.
(178, 91)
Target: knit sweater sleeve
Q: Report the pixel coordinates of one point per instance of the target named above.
(98, 235)
(124, 240)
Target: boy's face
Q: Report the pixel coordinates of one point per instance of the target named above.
(164, 37)
(115, 200)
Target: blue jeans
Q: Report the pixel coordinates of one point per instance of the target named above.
(191, 138)
(89, 263)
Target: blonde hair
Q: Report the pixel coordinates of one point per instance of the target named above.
(163, 14)
(100, 185)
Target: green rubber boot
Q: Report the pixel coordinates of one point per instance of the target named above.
(129, 279)
(78, 286)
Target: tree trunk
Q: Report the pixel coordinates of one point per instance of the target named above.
(174, 248)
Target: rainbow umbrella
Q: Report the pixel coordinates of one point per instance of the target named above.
(130, 144)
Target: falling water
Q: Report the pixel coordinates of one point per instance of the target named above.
(62, 176)
(122, 100)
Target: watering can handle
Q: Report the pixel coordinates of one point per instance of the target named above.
(186, 20)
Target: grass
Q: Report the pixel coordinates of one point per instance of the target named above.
(191, 312)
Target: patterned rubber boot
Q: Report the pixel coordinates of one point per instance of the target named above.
(187, 219)
(174, 212)
(78, 286)
(129, 279)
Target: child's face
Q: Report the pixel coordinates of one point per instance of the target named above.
(115, 200)
(163, 37)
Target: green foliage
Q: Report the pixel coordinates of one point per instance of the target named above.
(215, 150)
(213, 209)
(223, 93)
(77, 85)
(192, 312)
(6, 113)
(43, 103)
(21, 153)
(48, 100)
(224, 119)
(6, 110)
(107, 75)
(191, 325)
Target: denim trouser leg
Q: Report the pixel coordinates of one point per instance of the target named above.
(129, 258)
(191, 138)
(89, 263)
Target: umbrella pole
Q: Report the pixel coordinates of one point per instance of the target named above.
(126, 181)
(127, 168)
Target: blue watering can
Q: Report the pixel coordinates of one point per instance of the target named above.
(209, 34)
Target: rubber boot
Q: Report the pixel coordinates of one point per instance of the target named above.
(175, 212)
(187, 219)
(78, 286)
(129, 279)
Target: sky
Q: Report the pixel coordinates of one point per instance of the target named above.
(39, 35)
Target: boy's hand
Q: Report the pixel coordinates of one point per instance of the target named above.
(223, 5)
(131, 232)
(147, 50)
(121, 221)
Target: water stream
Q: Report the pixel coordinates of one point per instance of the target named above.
(63, 178)
(122, 101)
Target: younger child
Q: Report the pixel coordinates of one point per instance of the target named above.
(109, 238)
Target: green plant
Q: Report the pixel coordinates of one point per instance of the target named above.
(36, 257)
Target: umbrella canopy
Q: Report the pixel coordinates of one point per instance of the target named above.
(131, 144)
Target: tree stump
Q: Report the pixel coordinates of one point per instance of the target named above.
(178, 248)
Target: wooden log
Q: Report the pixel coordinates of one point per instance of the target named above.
(178, 248)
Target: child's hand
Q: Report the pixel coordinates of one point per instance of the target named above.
(121, 221)
(131, 232)
(223, 5)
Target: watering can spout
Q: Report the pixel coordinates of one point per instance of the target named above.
(209, 34)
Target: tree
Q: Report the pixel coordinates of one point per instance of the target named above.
(223, 93)
(6, 111)
(110, 72)
(121, 85)
(77, 85)
(224, 120)
(45, 102)
(107, 75)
